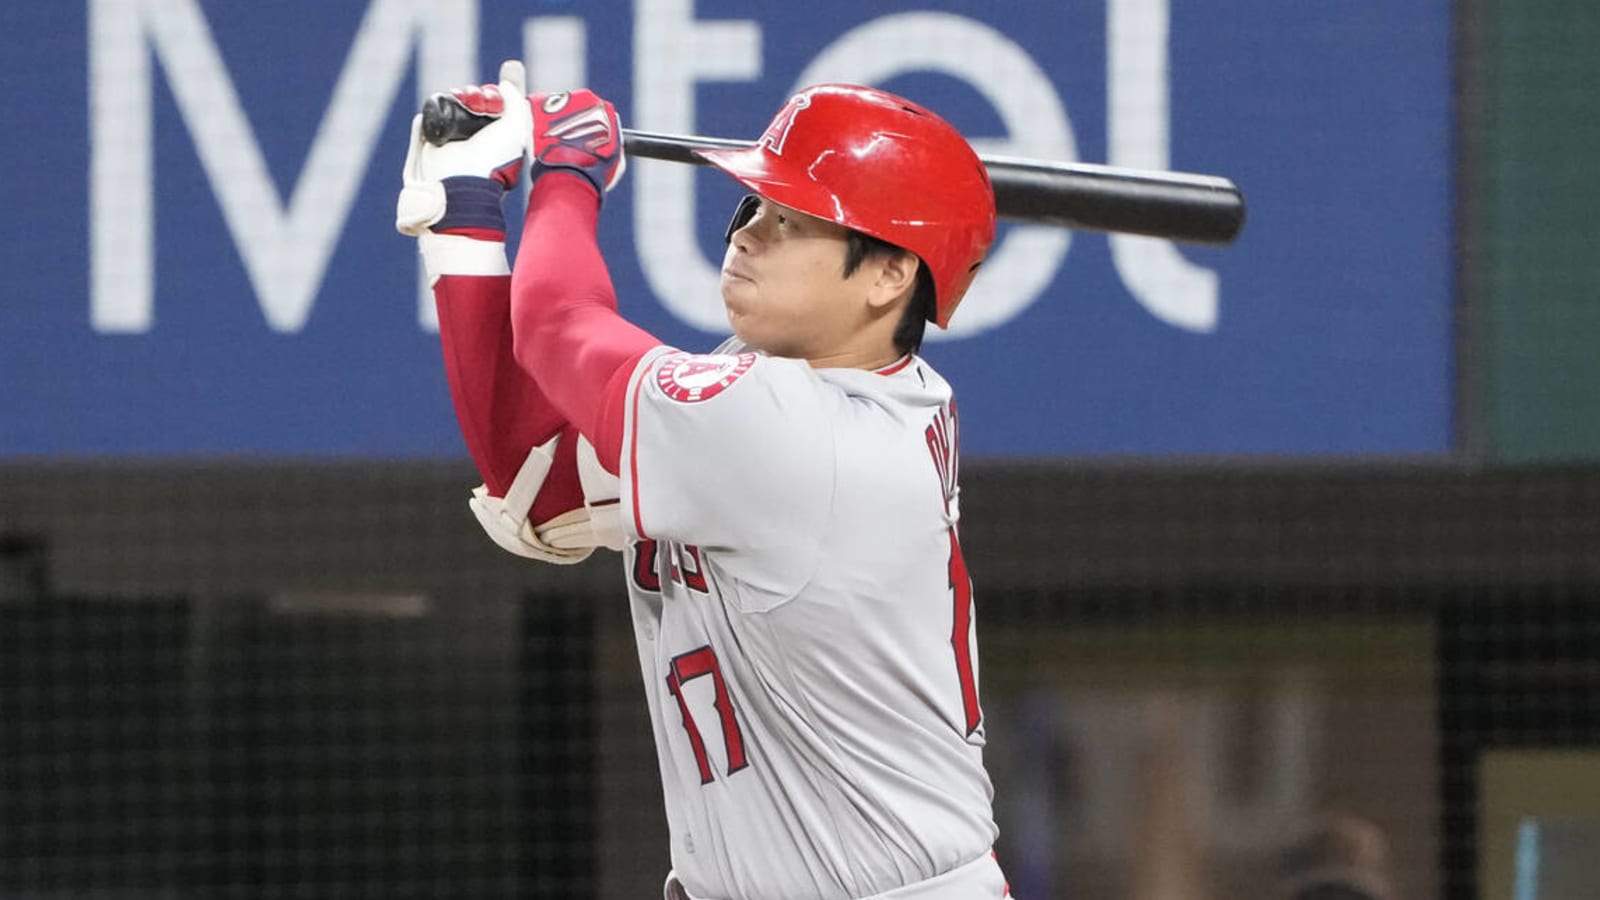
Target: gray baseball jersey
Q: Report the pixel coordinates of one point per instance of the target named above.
(805, 628)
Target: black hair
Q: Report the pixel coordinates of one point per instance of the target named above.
(924, 304)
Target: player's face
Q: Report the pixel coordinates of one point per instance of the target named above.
(784, 287)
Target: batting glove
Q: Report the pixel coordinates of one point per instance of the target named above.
(578, 131)
(451, 190)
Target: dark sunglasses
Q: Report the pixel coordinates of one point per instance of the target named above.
(742, 214)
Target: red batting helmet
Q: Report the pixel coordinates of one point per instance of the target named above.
(882, 165)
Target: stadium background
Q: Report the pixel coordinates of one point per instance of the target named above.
(1308, 577)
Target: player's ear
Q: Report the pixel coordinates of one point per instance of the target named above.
(896, 277)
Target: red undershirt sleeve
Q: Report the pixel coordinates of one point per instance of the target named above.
(475, 335)
(566, 330)
(500, 408)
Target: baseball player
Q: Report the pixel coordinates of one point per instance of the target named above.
(786, 506)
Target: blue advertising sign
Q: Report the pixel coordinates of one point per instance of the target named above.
(200, 257)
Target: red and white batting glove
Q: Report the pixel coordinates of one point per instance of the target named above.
(578, 131)
(451, 192)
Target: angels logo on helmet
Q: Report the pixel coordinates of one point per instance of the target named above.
(777, 133)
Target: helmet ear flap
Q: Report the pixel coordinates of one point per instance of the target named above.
(742, 214)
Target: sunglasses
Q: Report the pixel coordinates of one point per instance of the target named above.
(742, 214)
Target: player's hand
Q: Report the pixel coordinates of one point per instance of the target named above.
(456, 187)
(578, 131)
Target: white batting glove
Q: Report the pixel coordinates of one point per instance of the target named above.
(451, 191)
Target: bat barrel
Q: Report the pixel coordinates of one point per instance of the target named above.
(1200, 209)
(1178, 206)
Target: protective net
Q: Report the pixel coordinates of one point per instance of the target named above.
(1232, 680)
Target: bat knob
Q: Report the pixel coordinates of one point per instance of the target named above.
(445, 119)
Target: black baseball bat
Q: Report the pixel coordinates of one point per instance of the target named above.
(1179, 206)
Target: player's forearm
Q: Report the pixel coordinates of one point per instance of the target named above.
(498, 406)
(567, 332)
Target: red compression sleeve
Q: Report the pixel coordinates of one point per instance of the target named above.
(501, 410)
(568, 333)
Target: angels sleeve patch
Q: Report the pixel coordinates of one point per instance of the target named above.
(692, 378)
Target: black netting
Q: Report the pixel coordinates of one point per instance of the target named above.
(1235, 681)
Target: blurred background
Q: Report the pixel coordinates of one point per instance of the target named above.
(1286, 553)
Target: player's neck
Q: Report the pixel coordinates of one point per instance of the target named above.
(871, 358)
(869, 346)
